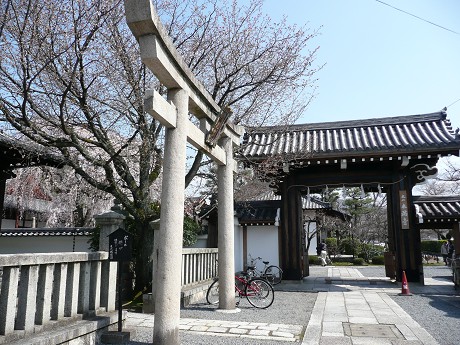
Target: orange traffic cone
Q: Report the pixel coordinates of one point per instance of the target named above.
(405, 286)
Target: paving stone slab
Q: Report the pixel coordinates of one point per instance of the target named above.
(372, 331)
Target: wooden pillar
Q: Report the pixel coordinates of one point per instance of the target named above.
(292, 230)
(393, 245)
(2, 196)
(406, 234)
(456, 236)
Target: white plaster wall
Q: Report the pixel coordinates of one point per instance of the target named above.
(201, 242)
(314, 241)
(11, 224)
(263, 242)
(48, 244)
(238, 247)
(8, 223)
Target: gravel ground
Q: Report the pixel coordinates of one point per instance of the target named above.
(296, 307)
(438, 314)
(145, 338)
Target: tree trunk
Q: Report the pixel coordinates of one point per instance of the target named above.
(143, 256)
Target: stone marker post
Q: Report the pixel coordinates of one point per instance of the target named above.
(108, 222)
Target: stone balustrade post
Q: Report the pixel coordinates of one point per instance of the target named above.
(27, 296)
(44, 294)
(59, 288)
(8, 299)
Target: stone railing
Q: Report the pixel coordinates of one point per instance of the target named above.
(39, 290)
(198, 265)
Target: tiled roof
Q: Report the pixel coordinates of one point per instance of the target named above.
(438, 208)
(265, 212)
(29, 232)
(414, 134)
(21, 153)
(257, 212)
(311, 203)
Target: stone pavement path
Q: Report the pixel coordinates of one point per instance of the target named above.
(362, 317)
(254, 330)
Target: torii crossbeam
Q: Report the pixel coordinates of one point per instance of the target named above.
(185, 95)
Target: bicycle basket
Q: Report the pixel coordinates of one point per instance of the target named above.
(239, 283)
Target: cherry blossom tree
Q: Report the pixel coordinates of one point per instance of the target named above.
(58, 197)
(71, 79)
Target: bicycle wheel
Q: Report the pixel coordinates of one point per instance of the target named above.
(259, 293)
(273, 274)
(212, 296)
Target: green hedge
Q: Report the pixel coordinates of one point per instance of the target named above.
(314, 260)
(358, 261)
(342, 259)
(432, 246)
(378, 260)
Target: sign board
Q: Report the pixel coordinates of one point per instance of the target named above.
(120, 245)
(404, 208)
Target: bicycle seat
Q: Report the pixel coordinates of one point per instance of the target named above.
(266, 262)
(252, 268)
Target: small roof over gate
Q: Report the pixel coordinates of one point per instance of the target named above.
(438, 211)
(266, 211)
(423, 136)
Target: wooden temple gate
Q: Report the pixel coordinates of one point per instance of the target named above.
(388, 155)
(441, 212)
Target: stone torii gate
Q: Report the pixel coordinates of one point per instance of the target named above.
(185, 95)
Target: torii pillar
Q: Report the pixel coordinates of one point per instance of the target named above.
(185, 96)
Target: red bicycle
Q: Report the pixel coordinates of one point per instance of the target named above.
(258, 292)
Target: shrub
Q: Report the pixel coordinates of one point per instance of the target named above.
(331, 244)
(378, 260)
(369, 251)
(358, 261)
(191, 230)
(314, 260)
(363, 255)
(350, 246)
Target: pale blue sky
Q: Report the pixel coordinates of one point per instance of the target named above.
(379, 61)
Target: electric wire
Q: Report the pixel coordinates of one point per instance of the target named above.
(453, 103)
(420, 18)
